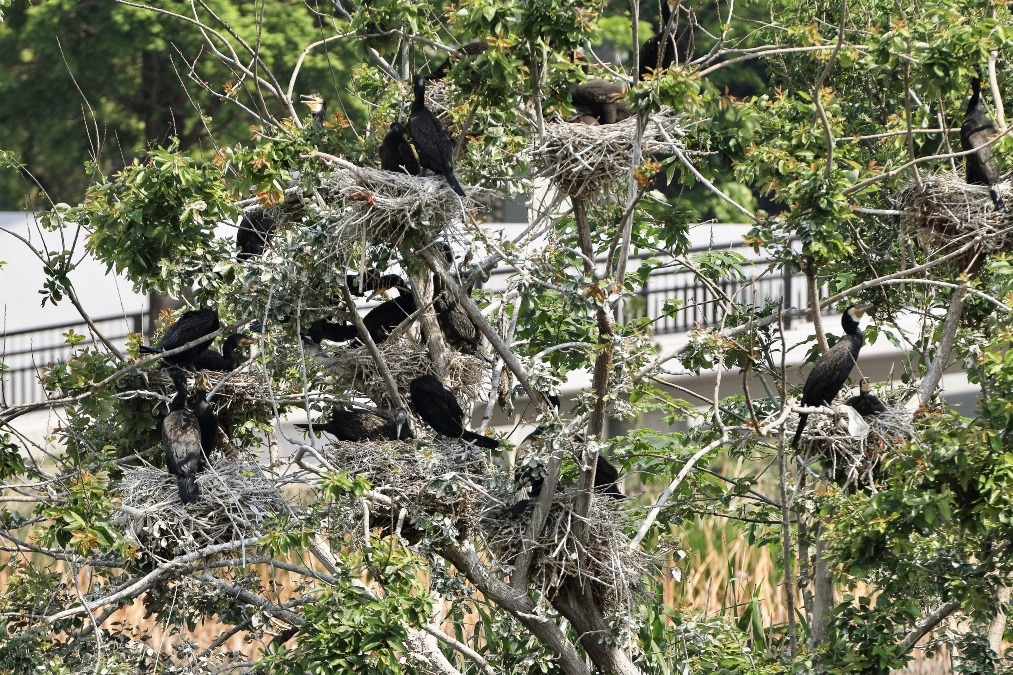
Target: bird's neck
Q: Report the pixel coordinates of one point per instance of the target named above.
(975, 101)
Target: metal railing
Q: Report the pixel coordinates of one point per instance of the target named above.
(27, 352)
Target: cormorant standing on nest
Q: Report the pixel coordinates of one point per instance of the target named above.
(827, 377)
(600, 99)
(459, 330)
(605, 478)
(255, 229)
(866, 403)
(189, 327)
(530, 478)
(206, 420)
(182, 438)
(433, 143)
(209, 359)
(380, 322)
(357, 424)
(658, 53)
(396, 152)
(438, 408)
(976, 131)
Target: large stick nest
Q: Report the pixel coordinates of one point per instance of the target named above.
(945, 213)
(406, 360)
(240, 391)
(851, 460)
(372, 206)
(582, 159)
(433, 482)
(606, 563)
(236, 500)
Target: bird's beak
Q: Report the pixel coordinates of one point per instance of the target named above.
(245, 340)
(860, 310)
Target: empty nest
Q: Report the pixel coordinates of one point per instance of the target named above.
(406, 360)
(236, 500)
(853, 460)
(375, 206)
(945, 214)
(613, 571)
(438, 482)
(583, 159)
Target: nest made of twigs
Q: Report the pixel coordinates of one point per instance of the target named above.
(431, 480)
(582, 159)
(367, 206)
(606, 563)
(852, 460)
(236, 500)
(238, 390)
(945, 213)
(406, 360)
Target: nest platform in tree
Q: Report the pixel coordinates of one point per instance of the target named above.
(850, 460)
(236, 500)
(946, 213)
(236, 395)
(407, 360)
(433, 481)
(607, 565)
(582, 159)
(368, 205)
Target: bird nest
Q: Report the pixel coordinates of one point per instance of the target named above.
(853, 460)
(236, 500)
(407, 360)
(582, 159)
(437, 484)
(606, 564)
(375, 206)
(945, 214)
(237, 392)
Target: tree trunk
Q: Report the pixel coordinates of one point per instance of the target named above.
(578, 606)
(997, 626)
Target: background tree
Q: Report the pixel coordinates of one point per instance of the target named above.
(421, 569)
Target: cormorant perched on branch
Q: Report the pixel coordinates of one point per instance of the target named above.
(363, 425)
(438, 408)
(380, 322)
(375, 283)
(459, 330)
(866, 403)
(976, 131)
(182, 439)
(255, 229)
(396, 152)
(433, 143)
(209, 359)
(470, 49)
(600, 99)
(658, 53)
(189, 327)
(827, 377)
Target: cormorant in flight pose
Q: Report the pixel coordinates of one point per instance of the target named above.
(976, 131)
(438, 408)
(396, 152)
(866, 403)
(357, 424)
(209, 359)
(182, 438)
(433, 143)
(827, 377)
(189, 327)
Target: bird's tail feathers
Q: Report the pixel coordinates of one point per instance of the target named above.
(455, 184)
(802, 418)
(188, 490)
(145, 349)
(480, 440)
(996, 199)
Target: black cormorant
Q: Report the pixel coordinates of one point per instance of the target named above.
(255, 229)
(458, 329)
(189, 327)
(207, 420)
(605, 478)
(380, 322)
(375, 283)
(438, 408)
(396, 152)
(470, 49)
(362, 425)
(829, 373)
(677, 46)
(976, 131)
(183, 441)
(433, 143)
(528, 481)
(209, 359)
(600, 99)
(866, 403)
